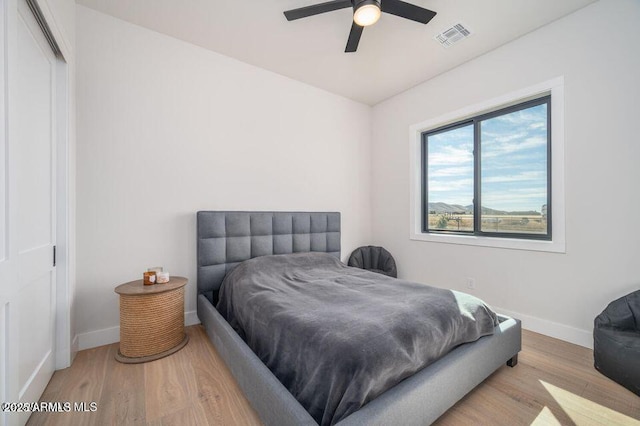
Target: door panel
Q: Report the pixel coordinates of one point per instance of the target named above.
(31, 297)
(34, 263)
(4, 177)
(33, 113)
(36, 339)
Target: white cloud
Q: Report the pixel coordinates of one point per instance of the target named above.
(520, 177)
(438, 172)
(450, 156)
(532, 142)
(489, 138)
(449, 185)
(533, 114)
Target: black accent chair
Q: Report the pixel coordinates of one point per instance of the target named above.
(616, 341)
(375, 259)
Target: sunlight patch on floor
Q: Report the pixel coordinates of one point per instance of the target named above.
(583, 411)
(546, 418)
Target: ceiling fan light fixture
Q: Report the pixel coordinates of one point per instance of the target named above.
(366, 13)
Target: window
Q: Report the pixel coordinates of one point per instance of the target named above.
(490, 175)
(483, 181)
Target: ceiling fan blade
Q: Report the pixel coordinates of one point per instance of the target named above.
(316, 9)
(354, 38)
(407, 10)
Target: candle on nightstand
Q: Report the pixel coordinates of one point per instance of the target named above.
(149, 278)
(162, 277)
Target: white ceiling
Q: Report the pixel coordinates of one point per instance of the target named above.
(394, 55)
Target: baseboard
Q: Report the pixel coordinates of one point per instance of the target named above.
(93, 339)
(191, 318)
(75, 347)
(552, 329)
(107, 336)
(65, 356)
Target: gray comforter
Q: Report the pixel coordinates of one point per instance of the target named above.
(337, 336)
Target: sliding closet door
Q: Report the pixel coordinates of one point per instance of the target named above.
(29, 294)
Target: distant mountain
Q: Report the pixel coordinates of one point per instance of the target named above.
(442, 208)
(490, 211)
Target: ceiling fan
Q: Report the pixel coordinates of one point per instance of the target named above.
(365, 13)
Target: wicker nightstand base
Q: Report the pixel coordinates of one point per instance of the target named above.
(151, 320)
(138, 360)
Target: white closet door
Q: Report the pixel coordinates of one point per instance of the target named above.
(28, 300)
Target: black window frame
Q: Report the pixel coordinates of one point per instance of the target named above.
(477, 167)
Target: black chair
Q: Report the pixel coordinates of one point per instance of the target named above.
(616, 341)
(376, 259)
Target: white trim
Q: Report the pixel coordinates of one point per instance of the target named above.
(556, 88)
(58, 33)
(191, 318)
(4, 140)
(37, 378)
(63, 293)
(93, 339)
(75, 344)
(107, 336)
(4, 195)
(4, 354)
(564, 332)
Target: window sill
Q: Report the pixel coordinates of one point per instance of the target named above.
(505, 243)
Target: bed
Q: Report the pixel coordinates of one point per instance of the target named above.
(225, 239)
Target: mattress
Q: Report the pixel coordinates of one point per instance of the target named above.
(337, 337)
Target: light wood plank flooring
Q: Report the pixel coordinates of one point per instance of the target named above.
(190, 387)
(554, 383)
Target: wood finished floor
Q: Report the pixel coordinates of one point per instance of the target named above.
(554, 383)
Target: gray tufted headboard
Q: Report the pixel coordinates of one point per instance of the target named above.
(228, 238)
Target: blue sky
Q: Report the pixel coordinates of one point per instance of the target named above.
(514, 162)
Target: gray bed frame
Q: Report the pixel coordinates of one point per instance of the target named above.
(226, 238)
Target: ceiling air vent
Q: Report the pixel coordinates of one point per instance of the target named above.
(453, 35)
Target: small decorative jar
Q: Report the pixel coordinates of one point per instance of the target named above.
(149, 277)
(162, 277)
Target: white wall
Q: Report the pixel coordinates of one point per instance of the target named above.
(166, 128)
(596, 50)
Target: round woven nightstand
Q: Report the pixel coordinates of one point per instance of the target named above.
(151, 320)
